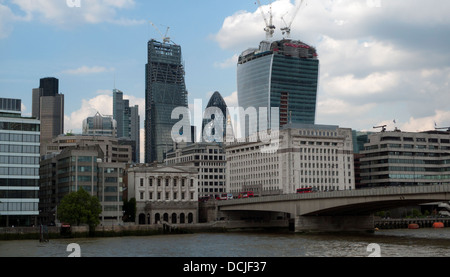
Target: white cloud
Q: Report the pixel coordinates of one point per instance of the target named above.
(58, 13)
(379, 60)
(349, 85)
(230, 62)
(88, 70)
(103, 104)
(440, 119)
(232, 100)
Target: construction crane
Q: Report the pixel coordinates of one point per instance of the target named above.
(383, 128)
(287, 30)
(164, 37)
(270, 28)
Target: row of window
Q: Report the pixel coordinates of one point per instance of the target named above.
(19, 171)
(15, 126)
(18, 194)
(6, 182)
(82, 178)
(406, 146)
(410, 139)
(174, 196)
(19, 149)
(19, 138)
(19, 160)
(167, 181)
(18, 207)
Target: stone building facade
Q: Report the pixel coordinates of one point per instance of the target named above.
(164, 194)
(317, 156)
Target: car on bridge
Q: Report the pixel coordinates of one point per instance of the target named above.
(225, 196)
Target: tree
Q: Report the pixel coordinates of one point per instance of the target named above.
(79, 208)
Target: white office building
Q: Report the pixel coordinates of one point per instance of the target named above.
(19, 165)
(317, 156)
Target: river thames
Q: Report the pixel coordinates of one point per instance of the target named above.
(425, 242)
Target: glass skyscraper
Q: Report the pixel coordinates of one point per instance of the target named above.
(165, 91)
(19, 165)
(128, 122)
(280, 74)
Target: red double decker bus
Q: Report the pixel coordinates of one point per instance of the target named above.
(305, 190)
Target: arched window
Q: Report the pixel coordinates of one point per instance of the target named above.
(141, 219)
(182, 218)
(174, 218)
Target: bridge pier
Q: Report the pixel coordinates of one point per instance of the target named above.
(346, 223)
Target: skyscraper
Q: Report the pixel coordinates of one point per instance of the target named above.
(48, 107)
(215, 133)
(165, 91)
(280, 74)
(128, 122)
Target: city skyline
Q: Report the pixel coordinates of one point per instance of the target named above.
(380, 61)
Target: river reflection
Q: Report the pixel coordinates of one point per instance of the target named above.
(392, 243)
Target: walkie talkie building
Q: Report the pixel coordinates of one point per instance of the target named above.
(165, 91)
(280, 74)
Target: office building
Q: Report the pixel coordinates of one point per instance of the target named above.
(19, 165)
(48, 107)
(280, 74)
(316, 156)
(210, 162)
(100, 125)
(165, 91)
(114, 150)
(164, 194)
(128, 122)
(81, 167)
(406, 159)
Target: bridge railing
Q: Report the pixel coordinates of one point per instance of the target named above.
(344, 194)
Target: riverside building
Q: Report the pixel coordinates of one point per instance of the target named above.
(81, 167)
(316, 156)
(164, 193)
(406, 159)
(19, 165)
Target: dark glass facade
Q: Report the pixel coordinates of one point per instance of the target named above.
(281, 74)
(213, 133)
(165, 91)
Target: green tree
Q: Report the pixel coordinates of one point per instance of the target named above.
(79, 208)
(129, 208)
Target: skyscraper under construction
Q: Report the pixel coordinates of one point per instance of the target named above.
(280, 74)
(165, 91)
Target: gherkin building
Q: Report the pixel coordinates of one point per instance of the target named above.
(212, 133)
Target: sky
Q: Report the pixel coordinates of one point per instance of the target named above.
(381, 61)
